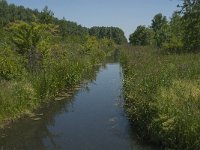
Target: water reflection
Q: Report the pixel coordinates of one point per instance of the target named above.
(92, 119)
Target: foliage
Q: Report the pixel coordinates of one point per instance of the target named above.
(114, 33)
(160, 27)
(175, 34)
(191, 20)
(162, 96)
(10, 64)
(180, 34)
(68, 30)
(46, 16)
(141, 36)
(26, 36)
(162, 90)
(10, 13)
(40, 55)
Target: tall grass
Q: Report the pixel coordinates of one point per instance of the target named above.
(63, 66)
(163, 96)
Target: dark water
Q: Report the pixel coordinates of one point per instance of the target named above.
(93, 119)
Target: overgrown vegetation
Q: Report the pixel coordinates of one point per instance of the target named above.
(40, 55)
(163, 96)
(162, 79)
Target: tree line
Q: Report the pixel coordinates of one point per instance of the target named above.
(180, 33)
(113, 33)
(10, 13)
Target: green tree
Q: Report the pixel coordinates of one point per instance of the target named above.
(46, 16)
(141, 36)
(160, 27)
(27, 36)
(174, 43)
(114, 33)
(191, 19)
(3, 13)
(69, 29)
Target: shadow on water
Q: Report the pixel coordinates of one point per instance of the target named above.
(93, 118)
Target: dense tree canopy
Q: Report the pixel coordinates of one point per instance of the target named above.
(114, 33)
(141, 36)
(191, 23)
(10, 13)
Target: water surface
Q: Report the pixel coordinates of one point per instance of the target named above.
(93, 119)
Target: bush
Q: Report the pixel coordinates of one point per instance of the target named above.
(16, 97)
(10, 64)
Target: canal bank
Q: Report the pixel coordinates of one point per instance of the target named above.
(93, 118)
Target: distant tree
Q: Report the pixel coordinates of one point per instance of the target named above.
(3, 12)
(69, 29)
(191, 20)
(160, 27)
(174, 42)
(46, 16)
(158, 22)
(141, 36)
(114, 33)
(10, 13)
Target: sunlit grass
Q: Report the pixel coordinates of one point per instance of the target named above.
(163, 96)
(64, 69)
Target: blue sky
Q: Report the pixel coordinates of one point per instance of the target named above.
(126, 14)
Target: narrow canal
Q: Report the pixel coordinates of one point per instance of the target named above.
(92, 119)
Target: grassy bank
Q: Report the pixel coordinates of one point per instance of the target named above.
(40, 55)
(25, 83)
(163, 96)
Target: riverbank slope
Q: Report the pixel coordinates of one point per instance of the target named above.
(163, 96)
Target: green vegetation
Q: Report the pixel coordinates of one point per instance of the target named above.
(163, 96)
(114, 33)
(162, 79)
(180, 34)
(40, 55)
(141, 36)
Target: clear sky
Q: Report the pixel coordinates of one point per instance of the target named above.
(126, 14)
